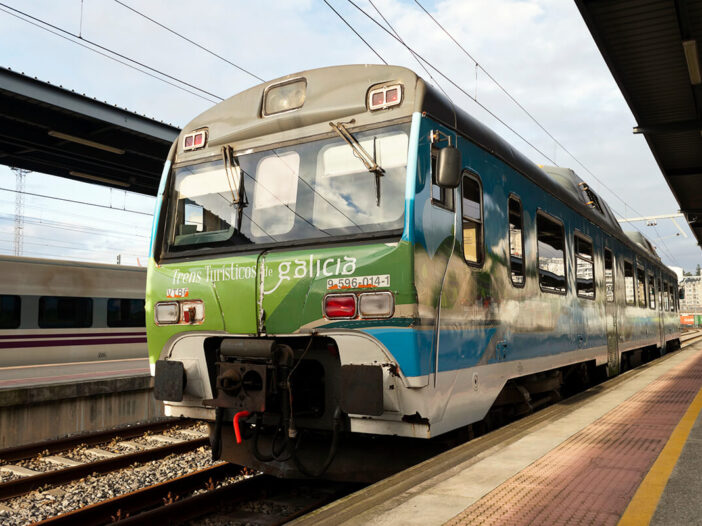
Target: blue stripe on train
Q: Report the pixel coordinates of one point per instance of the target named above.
(460, 349)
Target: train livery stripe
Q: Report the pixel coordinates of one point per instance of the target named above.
(69, 335)
(70, 343)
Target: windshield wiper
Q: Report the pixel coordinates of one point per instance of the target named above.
(369, 162)
(237, 187)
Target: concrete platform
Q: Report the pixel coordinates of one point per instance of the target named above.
(56, 373)
(629, 450)
(45, 402)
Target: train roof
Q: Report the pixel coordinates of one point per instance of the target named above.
(38, 277)
(643, 242)
(339, 92)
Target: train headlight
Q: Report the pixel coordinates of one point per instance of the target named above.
(376, 304)
(284, 97)
(167, 312)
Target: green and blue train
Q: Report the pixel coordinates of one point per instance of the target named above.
(345, 266)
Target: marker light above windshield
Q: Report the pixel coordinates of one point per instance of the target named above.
(195, 140)
(284, 97)
(385, 97)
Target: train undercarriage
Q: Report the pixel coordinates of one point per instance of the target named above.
(283, 406)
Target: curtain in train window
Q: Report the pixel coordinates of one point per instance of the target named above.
(275, 196)
(584, 268)
(641, 286)
(472, 206)
(629, 283)
(551, 249)
(609, 275)
(516, 242)
(651, 292)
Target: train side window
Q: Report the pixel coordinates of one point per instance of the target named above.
(472, 210)
(10, 307)
(551, 254)
(125, 313)
(609, 275)
(629, 283)
(641, 286)
(651, 291)
(65, 312)
(442, 197)
(673, 296)
(584, 268)
(516, 242)
(666, 297)
(675, 307)
(660, 294)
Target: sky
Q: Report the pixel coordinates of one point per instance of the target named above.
(540, 52)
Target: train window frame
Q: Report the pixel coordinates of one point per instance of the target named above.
(578, 238)
(515, 198)
(651, 291)
(548, 217)
(47, 324)
(640, 281)
(609, 280)
(15, 318)
(446, 199)
(630, 300)
(480, 222)
(660, 293)
(111, 322)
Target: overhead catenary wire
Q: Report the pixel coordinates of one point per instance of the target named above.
(356, 32)
(411, 52)
(207, 50)
(44, 196)
(448, 79)
(37, 21)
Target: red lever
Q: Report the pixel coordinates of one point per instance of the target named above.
(237, 432)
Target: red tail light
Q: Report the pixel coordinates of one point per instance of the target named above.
(340, 306)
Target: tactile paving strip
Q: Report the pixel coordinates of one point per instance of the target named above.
(591, 477)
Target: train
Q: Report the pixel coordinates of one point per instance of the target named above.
(54, 311)
(346, 269)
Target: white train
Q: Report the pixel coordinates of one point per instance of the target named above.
(66, 311)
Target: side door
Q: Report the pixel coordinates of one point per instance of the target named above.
(611, 313)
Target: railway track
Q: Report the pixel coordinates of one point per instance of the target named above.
(64, 468)
(258, 499)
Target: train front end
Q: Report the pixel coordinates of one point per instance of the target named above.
(280, 296)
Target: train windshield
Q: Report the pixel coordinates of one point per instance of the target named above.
(313, 190)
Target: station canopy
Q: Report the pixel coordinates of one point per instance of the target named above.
(653, 49)
(49, 129)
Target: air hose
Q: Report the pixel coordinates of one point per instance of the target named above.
(336, 431)
(217, 438)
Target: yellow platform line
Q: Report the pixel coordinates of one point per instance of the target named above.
(642, 507)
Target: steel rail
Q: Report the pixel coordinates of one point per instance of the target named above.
(166, 499)
(55, 446)
(15, 488)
